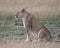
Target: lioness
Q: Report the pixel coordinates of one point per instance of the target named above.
(31, 24)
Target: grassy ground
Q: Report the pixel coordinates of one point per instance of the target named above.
(11, 31)
(34, 44)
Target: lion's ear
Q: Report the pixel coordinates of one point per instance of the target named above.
(23, 10)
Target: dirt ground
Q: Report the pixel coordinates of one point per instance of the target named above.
(34, 44)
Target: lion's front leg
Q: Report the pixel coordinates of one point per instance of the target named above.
(27, 35)
(27, 38)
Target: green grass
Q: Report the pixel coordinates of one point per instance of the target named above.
(13, 30)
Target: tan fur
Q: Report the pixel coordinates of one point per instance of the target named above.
(31, 24)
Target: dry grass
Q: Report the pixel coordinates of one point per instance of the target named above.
(43, 8)
(34, 44)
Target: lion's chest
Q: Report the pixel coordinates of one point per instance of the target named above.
(24, 23)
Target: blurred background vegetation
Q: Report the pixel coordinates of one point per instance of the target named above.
(46, 11)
